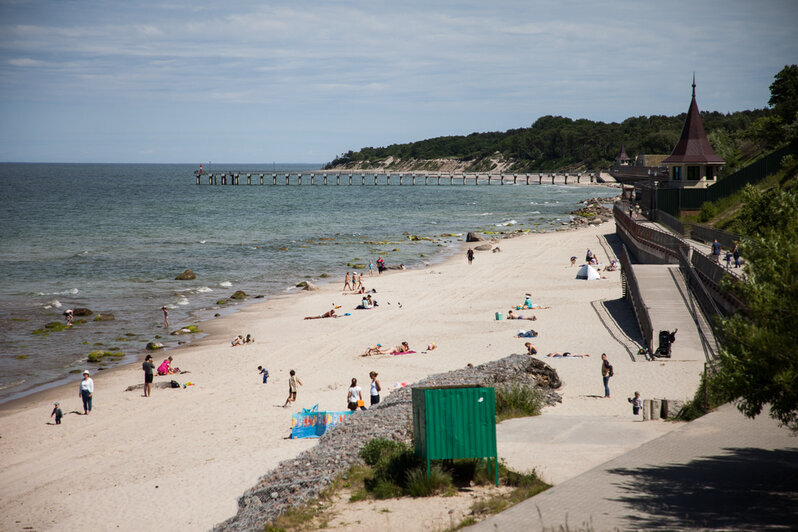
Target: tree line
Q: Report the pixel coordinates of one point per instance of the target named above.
(560, 143)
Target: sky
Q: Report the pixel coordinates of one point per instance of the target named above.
(304, 81)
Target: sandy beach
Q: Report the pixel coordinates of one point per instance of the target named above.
(180, 459)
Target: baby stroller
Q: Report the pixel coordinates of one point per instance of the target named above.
(666, 339)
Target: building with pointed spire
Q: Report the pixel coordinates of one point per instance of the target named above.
(622, 158)
(693, 163)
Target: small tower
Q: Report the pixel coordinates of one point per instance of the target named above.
(693, 163)
(622, 158)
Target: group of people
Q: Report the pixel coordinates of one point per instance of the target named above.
(240, 340)
(400, 349)
(354, 395)
(733, 254)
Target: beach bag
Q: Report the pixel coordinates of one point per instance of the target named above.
(175, 384)
(361, 402)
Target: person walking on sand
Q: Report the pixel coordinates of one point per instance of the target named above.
(470, 255)
(606, 373)
(347, 286)
(86, 391)
(374, 390)
(371, 269)
(354, 398)
(165, 317)
(359, 281)
(148, 368)
(292, 382)
(380, 265)
(57, 412)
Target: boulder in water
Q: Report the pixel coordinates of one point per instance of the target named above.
(81, 312)
(239, 294)
(473, 237)
(187, 275)
(152, 346)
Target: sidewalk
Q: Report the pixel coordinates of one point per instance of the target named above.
(722, 471)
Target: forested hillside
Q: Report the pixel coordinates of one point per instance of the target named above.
(555, 142)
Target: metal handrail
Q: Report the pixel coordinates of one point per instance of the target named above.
(670, 221)
(636, 298)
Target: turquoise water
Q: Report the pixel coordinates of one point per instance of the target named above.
(112, 238)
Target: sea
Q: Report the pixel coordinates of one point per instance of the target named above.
(112, 238)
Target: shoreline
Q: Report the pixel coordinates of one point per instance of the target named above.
(207, 329)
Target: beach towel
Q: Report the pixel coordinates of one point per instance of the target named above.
(404, 353)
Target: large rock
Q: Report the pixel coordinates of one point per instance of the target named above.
(82, 312)
(152, 346)
(473, 237)
(239, 294)
(483, 247)
(187, 275)
(307, 285)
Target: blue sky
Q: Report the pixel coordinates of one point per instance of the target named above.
(303, 81)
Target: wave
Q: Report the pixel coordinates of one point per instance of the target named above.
(203, 289)
(11, 384)
(505, 224)
(54, 303)
(226, 284)
(182, 301)
(70, 292)
(535, 212)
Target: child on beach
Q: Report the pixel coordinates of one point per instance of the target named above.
(292, 382)
(57, 413)
(264, 372)
(637, 403)
(530, 349)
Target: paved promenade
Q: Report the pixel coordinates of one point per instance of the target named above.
(720, 472)
(667, 298)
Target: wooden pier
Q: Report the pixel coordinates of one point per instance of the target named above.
(389, 179)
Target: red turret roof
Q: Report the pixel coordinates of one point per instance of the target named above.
(622, 156)
(693, 146)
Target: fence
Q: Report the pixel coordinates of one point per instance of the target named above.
(712, 274)
(668, 220)
(632, 292)
(708, 234)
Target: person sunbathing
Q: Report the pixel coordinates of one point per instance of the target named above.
(379, 350)
(531, 333)
(529, 305)
(566, 355)
(511, 316)
(329, 314)
(237, 340)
